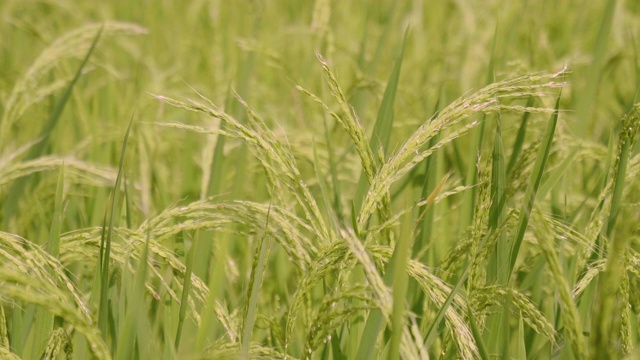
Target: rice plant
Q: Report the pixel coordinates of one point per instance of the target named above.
(319, 180)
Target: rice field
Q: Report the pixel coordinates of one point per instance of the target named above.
(319, 179)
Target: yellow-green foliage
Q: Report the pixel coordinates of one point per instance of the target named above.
(319, 179)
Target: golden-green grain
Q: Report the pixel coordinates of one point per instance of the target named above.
(41, 292)
(31, 87)
(437, 291)
(224, 350)
(625, 321)
(349, 121)
(332, 313)
(5, 353)
(382, 295)
(591, 272)
(326, 262)
(278, 162)
(4, 338)
(79, 171)
(572, 323)
(59, 343)
(266, 156)
(495, 296)
(486, 100)
(607, 323)
(478, 231)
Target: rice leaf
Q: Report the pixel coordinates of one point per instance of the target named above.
(557, 173)
(105, 244)
(519, 141)
(588, 97)
(477, 336)
(184, 301)
(536, 178)
(43, 322)
(251, 299)
(384, 121)
(128, 333)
